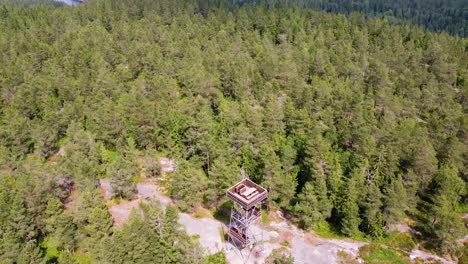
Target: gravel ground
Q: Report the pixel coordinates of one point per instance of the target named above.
(148, 189)
(208, 229)
(309, 248)
(106, 189)
(167, 165)
(121, 212)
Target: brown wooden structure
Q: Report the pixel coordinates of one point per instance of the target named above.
(247, 197)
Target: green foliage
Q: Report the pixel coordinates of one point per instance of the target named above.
(265, 219)
(51, 245)
(313, 205)
(349, 205)
(372, 215)
(395, 203)
(463, 259)
(217, 258)
(402, 241)
(151, 165)
(188, 185)
(433, 15)
(30, 254)
(462, 208)
(325, 229)
(445, 223)
(121, 174)
(222, 175)
(92, 218)
(309, 104)
(65, 257)
(60, 227)
(152, 236)
(280, 256)
(374, 253)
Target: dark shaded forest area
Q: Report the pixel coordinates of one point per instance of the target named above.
(434, 15)
(351, 123)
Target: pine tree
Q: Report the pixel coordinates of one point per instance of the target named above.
(222, 175)
(313, 205)
(372, 214)
(334, 179)
(10, 246)
(282, 185)
(99, 223)
(65, 257)
(60, 225)
(21, 221)
(30, 254)
(121, 174)
(151, 164)
(395, 203)
(350, 200)
(446, 224)
(188, 185)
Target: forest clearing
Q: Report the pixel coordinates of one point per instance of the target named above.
(305, 247)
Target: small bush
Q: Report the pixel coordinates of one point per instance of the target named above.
(374, 253)
(217, 258)
(403, 241)
(280, 256)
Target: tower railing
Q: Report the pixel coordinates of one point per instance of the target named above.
(248, 197)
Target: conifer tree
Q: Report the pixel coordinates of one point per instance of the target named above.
(121, 174)
(395, 203)
(351, 196)
(446, 224)
(30, 254)
(372, 214)
(188, 185)
(313, 205)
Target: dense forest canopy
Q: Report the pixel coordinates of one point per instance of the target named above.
(349, 121)
(435, 15)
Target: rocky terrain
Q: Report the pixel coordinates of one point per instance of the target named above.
(305, 247)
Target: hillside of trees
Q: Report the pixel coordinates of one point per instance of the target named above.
(352, 123)
(434, 15)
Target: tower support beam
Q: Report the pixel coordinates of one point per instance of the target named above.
(247, 197)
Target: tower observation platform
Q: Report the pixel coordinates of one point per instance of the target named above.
(247, 197)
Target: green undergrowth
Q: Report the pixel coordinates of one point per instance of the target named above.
(401, 241)
(327, 230)
(462, 208)
(202, 213)
(378, 254)
(138, 178)
(265, 219)
(109, 155)
(217, 258)
(82, 259)
(222, 212)
(61, 142)
(51, 244)
(220, 216)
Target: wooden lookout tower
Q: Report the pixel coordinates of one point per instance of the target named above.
(247, 197)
